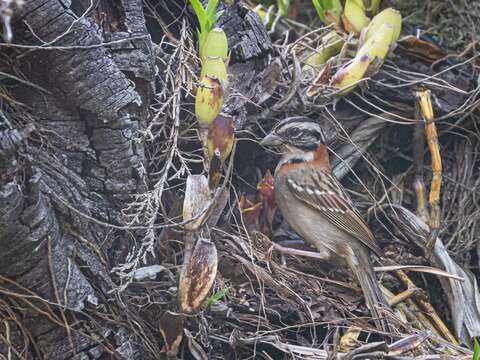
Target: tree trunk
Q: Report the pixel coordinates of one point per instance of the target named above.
(72, 157)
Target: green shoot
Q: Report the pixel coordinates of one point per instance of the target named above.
(283, 6)
(328, 11)
(476, 350)
(216, 297)
(320, 10)
(374, 4)
(207, 17)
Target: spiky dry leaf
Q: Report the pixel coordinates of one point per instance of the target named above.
(197, 202)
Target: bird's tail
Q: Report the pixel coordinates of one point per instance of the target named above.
(375, 301)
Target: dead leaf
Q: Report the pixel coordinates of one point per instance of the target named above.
(419, 268)
(194, 347)
(266, 189)
(422, 49)
(215, 170)
(197, 276)
(321, 81)
(266, 196)
(350, 339)
(250, 212)
(409, 343)
(171, 328)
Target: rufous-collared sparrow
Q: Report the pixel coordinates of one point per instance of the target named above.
(317, 207)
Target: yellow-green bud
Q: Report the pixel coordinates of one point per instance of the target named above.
(378, 44)
(354, 17)
(388, 16)
(331, 45)
(208, 100)
(348, 75)
(215, 45)
(214, 67)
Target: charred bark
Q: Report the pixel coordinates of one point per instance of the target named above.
(71, 163)
(82, 162)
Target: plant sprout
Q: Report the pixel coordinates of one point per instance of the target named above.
(207, 17)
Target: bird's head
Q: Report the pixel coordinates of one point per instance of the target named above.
(295, 134)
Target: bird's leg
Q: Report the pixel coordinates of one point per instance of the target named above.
(297, 252)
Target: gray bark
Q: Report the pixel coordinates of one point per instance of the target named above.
(72, 164)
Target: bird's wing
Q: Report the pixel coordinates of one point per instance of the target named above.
(322, 191)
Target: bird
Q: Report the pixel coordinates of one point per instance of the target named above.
(317, 207)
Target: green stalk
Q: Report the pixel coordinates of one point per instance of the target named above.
(283, 6)
(373, 6)
(207, 17)
(208, 100)
(329, 11)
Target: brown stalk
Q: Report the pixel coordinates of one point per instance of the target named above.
(424, 105)
(427, 308)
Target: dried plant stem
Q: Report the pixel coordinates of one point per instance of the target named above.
(426, 307)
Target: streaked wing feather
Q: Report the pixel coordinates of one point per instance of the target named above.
(323, 192)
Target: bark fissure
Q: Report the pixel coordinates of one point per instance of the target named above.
(81, 164)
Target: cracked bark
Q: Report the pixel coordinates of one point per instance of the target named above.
(90, 117)
(79, 156)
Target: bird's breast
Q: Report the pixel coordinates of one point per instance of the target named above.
(309, 223)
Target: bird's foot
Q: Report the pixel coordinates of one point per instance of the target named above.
(296, 252)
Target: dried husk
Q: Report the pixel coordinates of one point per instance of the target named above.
(171, 328)
(197, 276)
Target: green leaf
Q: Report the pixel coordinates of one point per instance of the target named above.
(217, 15)
(210, 24)
(336, 9)
(217, 296)
(200, 12)
(207, 17)
(283, 6)
(320, 9)
(327, 4)
(476, 350)
(211, 10)
(374, 4)
(337, 4)
(332, 6)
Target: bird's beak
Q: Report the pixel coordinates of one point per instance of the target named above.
(271, 140)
